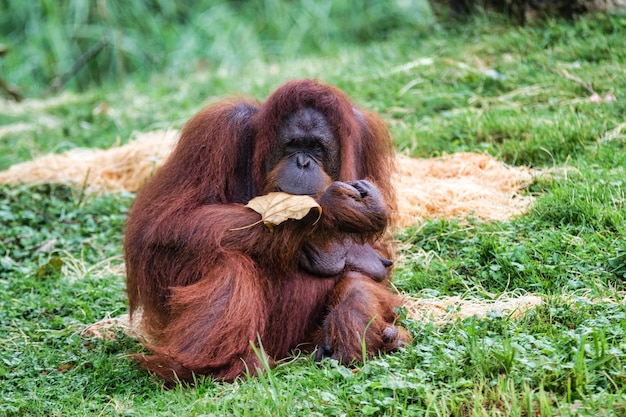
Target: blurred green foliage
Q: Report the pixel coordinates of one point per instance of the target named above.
(47, 37)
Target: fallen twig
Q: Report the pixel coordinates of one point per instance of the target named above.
(58, 83)
(9, 89)
(566, 75)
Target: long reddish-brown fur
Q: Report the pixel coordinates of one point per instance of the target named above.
(208, 288)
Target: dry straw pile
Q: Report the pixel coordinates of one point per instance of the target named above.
(120, 168)
(438, 310)
(459, 185)
(452, 186)
(448, 309)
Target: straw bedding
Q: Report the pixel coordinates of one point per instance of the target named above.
(453, 186)
(459, 185)
(440, 311)
(120, 168)
(448, 309)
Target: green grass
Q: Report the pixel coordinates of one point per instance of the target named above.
(60, 250)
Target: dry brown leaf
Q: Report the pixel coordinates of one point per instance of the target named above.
(277, 207)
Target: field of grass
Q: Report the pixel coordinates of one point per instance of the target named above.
(550, 95)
